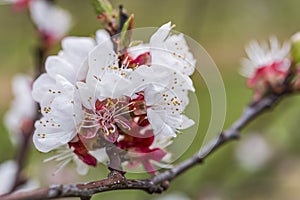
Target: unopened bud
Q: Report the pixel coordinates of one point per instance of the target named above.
(295, 51)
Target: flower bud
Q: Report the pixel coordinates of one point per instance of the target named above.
(295, 50)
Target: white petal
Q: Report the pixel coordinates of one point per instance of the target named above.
(57, 66)
(100, 155)
(161, 34)
(42, 89)
(185, 122)
(75, 51)
(112, 85)
(48, 138)
(100, 58)
(87, 95)
(102, 36)
(156, 120)
(81, 168)
(71, 102)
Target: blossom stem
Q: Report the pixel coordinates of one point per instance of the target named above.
(113, 153)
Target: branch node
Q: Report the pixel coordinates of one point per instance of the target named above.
(152, 188)
(165, 184)
(117, 177)
(55, 190)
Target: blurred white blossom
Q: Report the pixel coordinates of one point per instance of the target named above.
(52, 21)
(172, 196)
(253, 152)
(8, 170)
(23, 109)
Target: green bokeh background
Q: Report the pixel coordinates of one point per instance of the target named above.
(222, 28)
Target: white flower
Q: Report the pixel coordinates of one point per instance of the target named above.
(253, 152)
(262, 55)
(96, 96)
(52, 21)
(23, 108)
(8, 172)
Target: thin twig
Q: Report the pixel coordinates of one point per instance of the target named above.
(26, 135)
(21, 159)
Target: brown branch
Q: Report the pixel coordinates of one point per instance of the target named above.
(21, 157)
(160, 182)
(40, 54)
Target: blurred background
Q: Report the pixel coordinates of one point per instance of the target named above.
(264, 165)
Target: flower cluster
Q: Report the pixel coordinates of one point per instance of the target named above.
(267, 66)
(92, 97)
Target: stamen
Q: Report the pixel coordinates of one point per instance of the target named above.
(114, 128)
(61, 165)
(123, 123)
(61, 153)
(91, 120)
(126, 106)
(90, 126)
(106, 130)
(129, 111)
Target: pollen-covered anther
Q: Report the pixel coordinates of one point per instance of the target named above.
(123, 74)
(47, 109)
(96, 77)
(42, 135)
